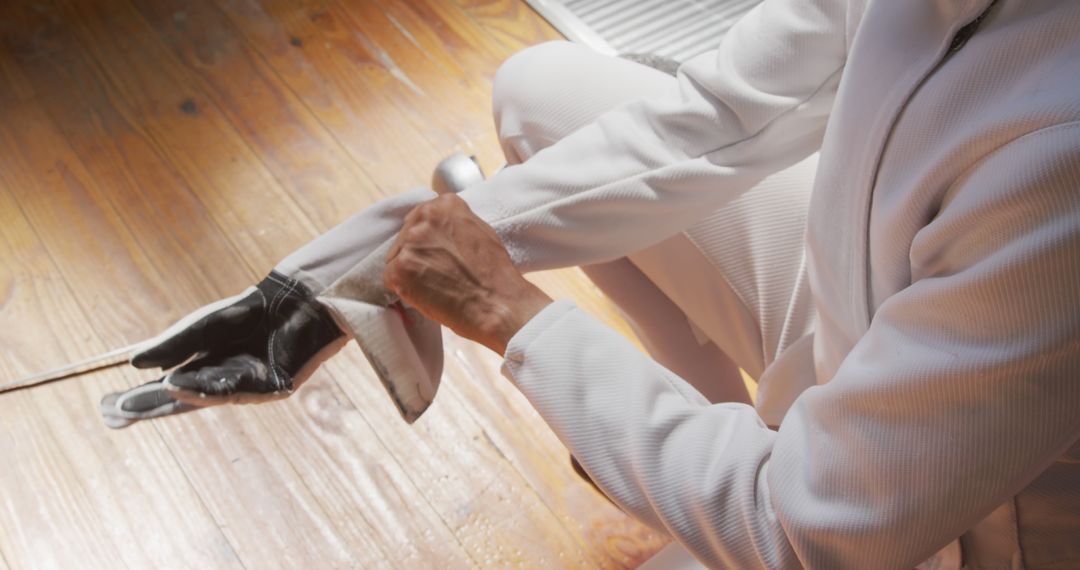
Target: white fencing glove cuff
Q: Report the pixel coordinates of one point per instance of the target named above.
(344, 267)
(403, 346)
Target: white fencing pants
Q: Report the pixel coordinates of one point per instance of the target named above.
(732, 289)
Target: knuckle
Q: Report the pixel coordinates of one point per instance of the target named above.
(417, 233)
(427, 209)
(418, 213)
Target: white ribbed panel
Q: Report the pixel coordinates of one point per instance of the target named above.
(678, 29)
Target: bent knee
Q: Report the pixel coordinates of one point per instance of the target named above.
(527, 79)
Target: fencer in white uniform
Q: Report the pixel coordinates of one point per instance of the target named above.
(871, 206)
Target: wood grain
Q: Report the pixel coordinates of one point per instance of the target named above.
(72, 494)
(157, 156)
(512, 25)
(342, 80)
(514, 428)
(14, 86)
(264, 466)
(193, 135)
(488, 505)
(301, 154)
(266, 471)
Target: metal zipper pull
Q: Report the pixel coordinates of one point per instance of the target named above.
(965, 33)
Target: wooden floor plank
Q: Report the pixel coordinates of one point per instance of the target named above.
(343, 84)
(221, 479)
(210, 465)
(460, 36)
(484, 500)
(32, 170)
(364, 490)
(146, 192)
(169, 154)
(194, 135)
(450, 105)
(205, 455)
(302, 154)
(514, 25)
(514, 428)
(72, 495)
(253, 484)
(14, 86)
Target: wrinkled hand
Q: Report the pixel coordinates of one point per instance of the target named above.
(451, 266)
(254, 347)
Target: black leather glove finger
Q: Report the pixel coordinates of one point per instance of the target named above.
(217, 326)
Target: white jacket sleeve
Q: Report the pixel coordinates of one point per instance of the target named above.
(961, 392)
(637, 175)
(653, 167)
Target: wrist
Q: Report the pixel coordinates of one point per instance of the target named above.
(506, 315)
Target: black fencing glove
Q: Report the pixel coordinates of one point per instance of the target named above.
(257, 346)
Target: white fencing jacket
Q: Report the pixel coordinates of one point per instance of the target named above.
(940, 393)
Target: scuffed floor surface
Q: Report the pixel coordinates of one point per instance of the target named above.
(158, 155)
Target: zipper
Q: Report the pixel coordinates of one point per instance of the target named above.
(959, 40)
(964, 34)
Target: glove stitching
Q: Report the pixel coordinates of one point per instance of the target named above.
(270, 341)
(274, 301)
(278, 382)
(285, 297)
(270, 352)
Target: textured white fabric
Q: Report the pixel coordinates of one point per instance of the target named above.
(744, 304)
(740, 275)
(665, 331)
(943, 259)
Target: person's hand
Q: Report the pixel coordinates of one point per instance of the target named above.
(257, 346)
(451, 266)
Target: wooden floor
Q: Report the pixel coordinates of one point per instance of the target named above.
(156, 155)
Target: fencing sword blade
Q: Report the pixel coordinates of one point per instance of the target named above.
(92, 364)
